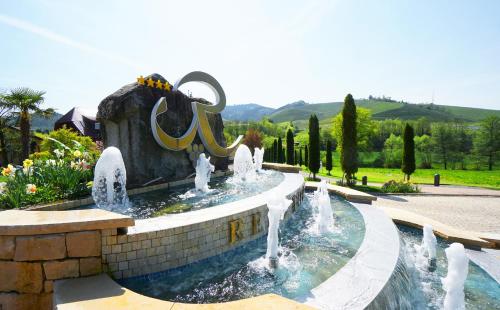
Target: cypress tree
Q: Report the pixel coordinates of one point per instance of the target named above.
(275, 151)
(306, 159)
(408, 164)
(349, 152)
(300, 157)
(329, 160)
(295, 157)
(290, 158)
(280, 151)
(314, 152)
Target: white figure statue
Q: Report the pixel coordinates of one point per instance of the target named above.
(258, 158)
(203, 170)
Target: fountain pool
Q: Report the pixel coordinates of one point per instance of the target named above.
(185, 198)
(306, 258)
(481, 290)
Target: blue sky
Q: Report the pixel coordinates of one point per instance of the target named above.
(266, 52)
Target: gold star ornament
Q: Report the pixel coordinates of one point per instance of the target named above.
(159, 84)
(151, 83)
(166, 86)
(140, 80)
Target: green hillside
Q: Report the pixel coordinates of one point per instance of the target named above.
(414, 111)
(472, 114)
(296, 111)
(300, 111)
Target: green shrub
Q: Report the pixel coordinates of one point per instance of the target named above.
(65, 137)
(399, 187)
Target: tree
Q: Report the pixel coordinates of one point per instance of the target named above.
(26, 101)
(275, 151)
(443, 140)
(306, 157)
(349, 140)
(424, 147)
(329, 159)
(280, 151)
(300, 157)
(314, 151)
(365, 129)
(290, 158)
(5, 118)
(408, 162)
(487, 142)
(253, 139)
(462, 145)
(295, 157)
(392, 151)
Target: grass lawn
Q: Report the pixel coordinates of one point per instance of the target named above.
(489, 179)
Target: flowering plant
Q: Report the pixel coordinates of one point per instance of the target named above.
(61, 174)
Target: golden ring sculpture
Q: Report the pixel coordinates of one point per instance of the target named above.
(199, 123)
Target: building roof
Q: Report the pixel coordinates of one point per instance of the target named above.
(80, 120)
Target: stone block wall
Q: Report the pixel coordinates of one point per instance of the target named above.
(137, 254)
(29, 265)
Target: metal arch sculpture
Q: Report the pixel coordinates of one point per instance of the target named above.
(199, 123)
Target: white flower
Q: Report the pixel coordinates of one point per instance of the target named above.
(31, 189)
(59, 153)
(3, 187)
(27, 170)
(50, 162)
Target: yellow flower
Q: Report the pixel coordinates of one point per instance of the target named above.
(77, 154)
(8, 171)
(27, 163)
(90, 184)
(31, 189)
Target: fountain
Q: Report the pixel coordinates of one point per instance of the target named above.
(258, 158)
(203, 170)
(453, 284)
(322, 201)
(277, 205)
(428, 248)
(244, 169)
(110, 179)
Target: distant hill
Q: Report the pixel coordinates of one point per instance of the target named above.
(300, 111)
(246, 112)
(43, 124)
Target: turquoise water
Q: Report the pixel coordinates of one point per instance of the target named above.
(184, 198)
(306, 260)
(481, 290)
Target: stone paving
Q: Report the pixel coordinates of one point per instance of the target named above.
(478, 214)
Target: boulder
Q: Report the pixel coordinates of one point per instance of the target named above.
(125, 120)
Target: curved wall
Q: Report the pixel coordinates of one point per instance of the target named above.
(174, 240)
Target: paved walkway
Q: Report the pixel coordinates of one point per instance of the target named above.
(478, 214)
(471, 208)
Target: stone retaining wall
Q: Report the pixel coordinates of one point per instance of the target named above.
(159, 249)
(30, 264)
(38, 248)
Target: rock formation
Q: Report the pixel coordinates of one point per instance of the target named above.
(125, 123)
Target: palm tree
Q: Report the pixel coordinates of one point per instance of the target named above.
(26, 101)
(5, 119)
